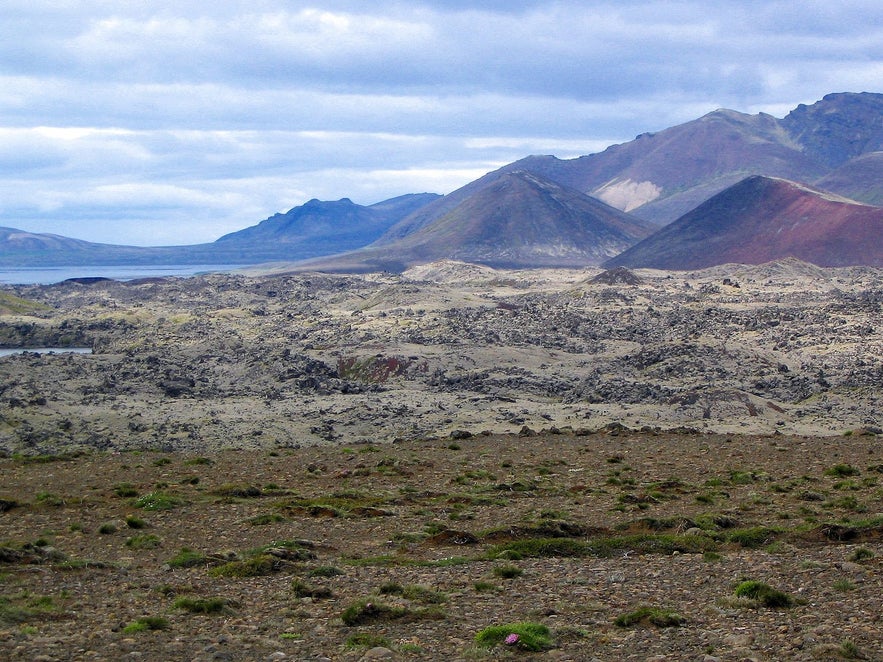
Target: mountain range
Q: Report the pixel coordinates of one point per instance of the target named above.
(725, 187)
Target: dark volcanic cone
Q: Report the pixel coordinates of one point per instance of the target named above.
(518, 220)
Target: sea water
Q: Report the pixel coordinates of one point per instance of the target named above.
(50, 275)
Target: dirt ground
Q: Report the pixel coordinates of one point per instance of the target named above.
(409, 550)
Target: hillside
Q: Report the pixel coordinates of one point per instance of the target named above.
(761, 219)
(661, 176)
(516, 220)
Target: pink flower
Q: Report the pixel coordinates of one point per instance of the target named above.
(512, 639)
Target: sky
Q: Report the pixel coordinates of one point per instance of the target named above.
(168, 123)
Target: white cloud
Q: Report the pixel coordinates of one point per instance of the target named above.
(193, 119)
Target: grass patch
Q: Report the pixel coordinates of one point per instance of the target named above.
(125, 490)
(202, 605)
(198, 461)
(508, 571)
(144, 541)
(841, 471)
(146, 623)
(861, 554)
(25, 606)
(134, 522)
(604, 547)
(303, 590)
(366, 640)
(262, 520)
(157, 501)
(415, 592)
(764, 594)
(188, 558)
(525, 636)
(663, 618)
(326, 571)
(754, 537)
(256, 566)
(237, 490)
(367, 611)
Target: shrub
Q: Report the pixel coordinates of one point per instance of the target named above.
(841, 471)
(764, 594)
(125, 490)
(107, 528)
(134, 522)
(662, 618)
(146, 623)
(861, 554)
(508, 571)
(526, 636)
(201, 605)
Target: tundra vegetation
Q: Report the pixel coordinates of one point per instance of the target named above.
(473, 465)
(452, 555)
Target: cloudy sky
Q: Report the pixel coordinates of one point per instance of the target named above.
(156, 123)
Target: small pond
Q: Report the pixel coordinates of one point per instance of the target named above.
(46, 350)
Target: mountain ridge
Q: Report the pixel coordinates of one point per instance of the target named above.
(835, 143)
(762, 219)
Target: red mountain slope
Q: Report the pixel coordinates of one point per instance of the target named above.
(761, 219)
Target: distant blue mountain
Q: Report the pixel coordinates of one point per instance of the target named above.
(311, 230)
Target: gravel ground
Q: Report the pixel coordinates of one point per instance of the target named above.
(453, 535)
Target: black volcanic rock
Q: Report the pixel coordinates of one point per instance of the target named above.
(762, 219)
(516, 220)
